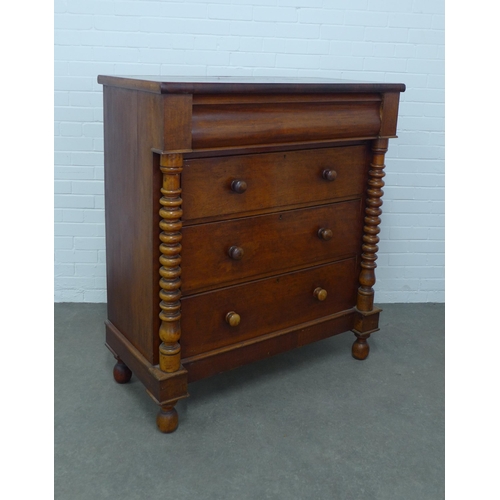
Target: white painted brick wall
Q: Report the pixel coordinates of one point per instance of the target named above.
(372, 40)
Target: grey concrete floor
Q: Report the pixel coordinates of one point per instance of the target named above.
(308, 424)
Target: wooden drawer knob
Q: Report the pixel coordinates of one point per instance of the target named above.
(320, 293)
(238, 186)
(329, 175)
(233, 319)
(325, 234)
(236, 253)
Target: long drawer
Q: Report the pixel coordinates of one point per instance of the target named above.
(303, 118)
(266, 305)
(222, 186)
(226, 252)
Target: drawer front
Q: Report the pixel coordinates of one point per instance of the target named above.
(265, 306)
(225, 252)
(239, 124)
(215, 187)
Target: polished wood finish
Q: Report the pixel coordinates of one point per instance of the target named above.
(274, 180)
(233, 319)
(161, 386)
(329, 174)
(360, 348)
(365, 323)
(266, 305)
(325, 234)
(236, 253)
(320, 293)
(121, 372)
(239, 186)
(269, 244)
(242, 220)
(170, 259)
(177, 122)
(131, 268)
(167, 419)
(221, 126)
(371, 228)
(240, 353)
(248, 86)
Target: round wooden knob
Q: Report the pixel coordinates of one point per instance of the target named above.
(320, 293)
(238, 186)
(233, 318)
(329, 175)
(325, 234)
(236, 253)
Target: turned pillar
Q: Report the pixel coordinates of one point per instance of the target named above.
(170, 281)
(367, 315)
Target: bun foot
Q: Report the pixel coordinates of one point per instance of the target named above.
(167, 419)
(121, 372)
(360, 348)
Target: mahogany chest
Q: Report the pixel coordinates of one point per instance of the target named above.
(242, 220)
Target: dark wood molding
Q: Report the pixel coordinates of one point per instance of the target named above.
(246, 85)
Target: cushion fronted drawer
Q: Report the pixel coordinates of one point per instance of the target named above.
(219, 122)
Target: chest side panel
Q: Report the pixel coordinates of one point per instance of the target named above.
(132, 125)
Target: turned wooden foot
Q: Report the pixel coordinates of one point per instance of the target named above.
(360, 348)
(121, 372)
(167, 419)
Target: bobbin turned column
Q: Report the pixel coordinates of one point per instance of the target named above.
(170, 282)
(366, 321)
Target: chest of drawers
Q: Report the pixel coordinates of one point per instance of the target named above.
(242, 220)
